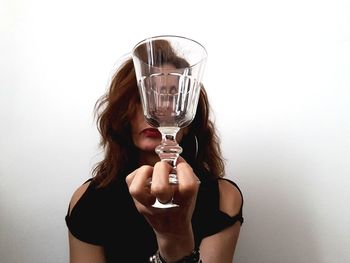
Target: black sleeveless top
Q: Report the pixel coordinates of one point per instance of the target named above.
(108, 217)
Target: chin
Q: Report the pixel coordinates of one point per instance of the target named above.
(148, 147)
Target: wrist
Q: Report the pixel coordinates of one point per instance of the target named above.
(194, 257)
(173, 248)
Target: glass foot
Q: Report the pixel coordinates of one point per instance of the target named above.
(158, 204)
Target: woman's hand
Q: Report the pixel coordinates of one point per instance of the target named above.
(172, 226)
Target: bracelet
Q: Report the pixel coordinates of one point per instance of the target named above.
(194, 257)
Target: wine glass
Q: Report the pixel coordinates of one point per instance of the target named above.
(169, 70)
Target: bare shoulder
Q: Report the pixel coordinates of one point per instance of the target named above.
(230, 198)
(78, 193)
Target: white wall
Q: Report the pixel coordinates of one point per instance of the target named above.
(278, 78)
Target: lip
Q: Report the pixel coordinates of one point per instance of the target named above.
(151, 133)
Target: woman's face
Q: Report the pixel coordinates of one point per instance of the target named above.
(145, 137)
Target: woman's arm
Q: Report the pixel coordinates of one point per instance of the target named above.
(220, 248)
(172, 227)
(80, 251)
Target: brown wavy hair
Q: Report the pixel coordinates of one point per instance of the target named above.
(114, 111)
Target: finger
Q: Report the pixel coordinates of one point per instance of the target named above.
(188, 181)
(138, 186)
(130, 177)
(180, 159)
(160, 187)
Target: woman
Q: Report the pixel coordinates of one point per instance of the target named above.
(111, 218)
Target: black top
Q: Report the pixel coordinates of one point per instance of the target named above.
(108, 217)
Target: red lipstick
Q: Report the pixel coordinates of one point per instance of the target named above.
(152, 133)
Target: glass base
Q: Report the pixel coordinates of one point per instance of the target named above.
(158, 204)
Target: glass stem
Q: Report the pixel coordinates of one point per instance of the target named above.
(169, 150)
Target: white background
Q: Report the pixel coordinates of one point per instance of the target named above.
(278, 78)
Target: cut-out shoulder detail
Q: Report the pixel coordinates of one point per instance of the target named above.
(77, 195)
(230, 198)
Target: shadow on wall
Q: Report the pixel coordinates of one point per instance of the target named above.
(278, 223)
